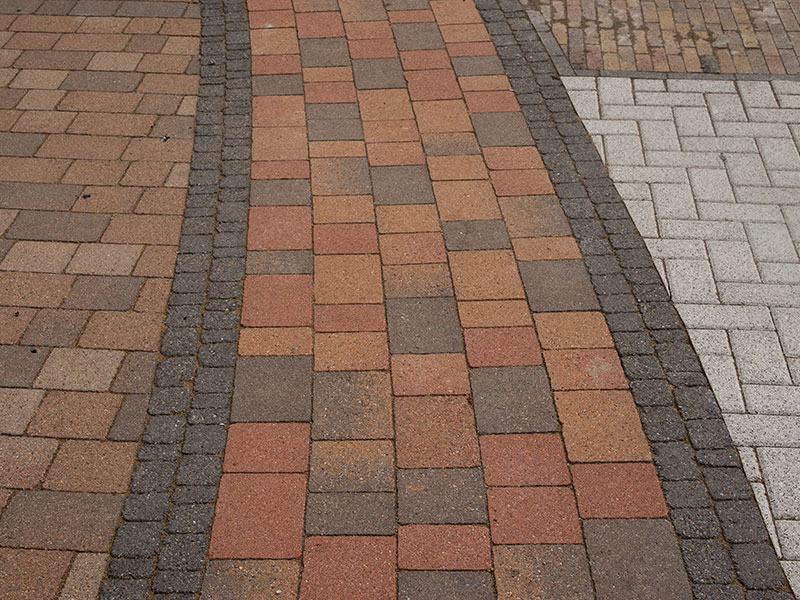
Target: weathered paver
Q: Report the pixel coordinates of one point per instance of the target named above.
(724, 239)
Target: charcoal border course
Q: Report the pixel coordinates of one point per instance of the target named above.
(160, 547)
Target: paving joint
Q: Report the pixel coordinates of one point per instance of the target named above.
(161, 545)
(699, 468)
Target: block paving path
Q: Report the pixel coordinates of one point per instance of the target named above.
(304, 279)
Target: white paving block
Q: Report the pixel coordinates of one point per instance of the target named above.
(691, 120)
(691, 281)
(579, 83)
(779, 272)
(711, 185)
(585, 103)
(644, 217)
(605, 126)
(767, 195)
(720, 316)
(637, 113)
(760, 492)
(660, 248)
(649, 85)
(787, 322)
(745, 169)
(648, 174)
(726, 107)
(783, 178)
(723, 211)
(759, 294)
(779, 153)
(710, 341)
(634, 191)
(721, 373)
(750, 463)
(670, 99)
(659, 135)
(789, 535)
(673, 201)
(718, 144)
(702, 230)
(759, 357)
(772, 399)
(623, 150)
(732, 261)
(764, 431)
(771, 242)
(757, 94)
(786, 87)
(752, 130)
(662, 158)
(700, 85)
(615, 90)
(792, 568)
(781, 469)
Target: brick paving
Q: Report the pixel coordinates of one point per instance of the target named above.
(97, 110)
(707, 169)
(319, 310)
(741, 37)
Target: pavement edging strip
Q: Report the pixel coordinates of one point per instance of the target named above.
(161, 545)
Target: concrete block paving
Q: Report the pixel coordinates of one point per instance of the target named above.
(725, 244)
(292, 305)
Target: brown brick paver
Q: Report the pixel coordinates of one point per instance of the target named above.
(454, 406)
(96, 135)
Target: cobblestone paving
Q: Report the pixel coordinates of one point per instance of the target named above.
(709, 172)
(97, 104)
(694, 36)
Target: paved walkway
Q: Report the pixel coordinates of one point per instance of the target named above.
(336, 300)
(708, 171)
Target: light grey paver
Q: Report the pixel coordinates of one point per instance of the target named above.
(691, 281)
(759, 357)
(781, 468)
(772, 399)
(732, 261)
(711, 185)
(771, 242)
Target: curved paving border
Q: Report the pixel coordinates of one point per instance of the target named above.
(725, 545)
(161, 546)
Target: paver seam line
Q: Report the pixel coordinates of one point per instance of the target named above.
(635, 302)
(189, 404)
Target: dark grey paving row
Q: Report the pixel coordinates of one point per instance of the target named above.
(161, 545)
(725, 546)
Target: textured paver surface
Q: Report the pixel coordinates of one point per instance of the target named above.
(96, 122)
(335, 299)
(700, 36)
(709, 171)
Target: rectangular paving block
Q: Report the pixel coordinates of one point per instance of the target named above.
(272, 388)
(635, 555)
(445, 585)
(512, 400)
(441, 496)
(558, 285)
(65, 520)
(546, 571)
(423, 326)
(351, 513)
(355, 405)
